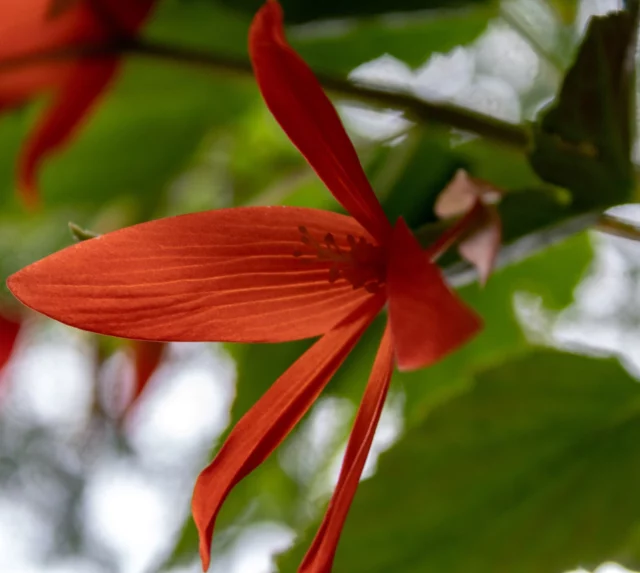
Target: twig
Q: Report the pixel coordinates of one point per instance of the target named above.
(618, 227)
(462, 273)
(515, 136)
(512, 135)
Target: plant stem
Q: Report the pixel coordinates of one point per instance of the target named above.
(462, 273)
(618, 227)
(508, 134)
(502, 132)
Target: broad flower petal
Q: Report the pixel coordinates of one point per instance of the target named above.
(262, 429)
(298, 103)
(319, 558)
(428, 320)
(225, 275)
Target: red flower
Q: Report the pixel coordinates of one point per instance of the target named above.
(267, 275)
(31, 28)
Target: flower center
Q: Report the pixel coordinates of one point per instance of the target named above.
(357, 260)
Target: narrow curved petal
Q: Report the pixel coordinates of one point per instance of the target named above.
(146, 358)
(262, 429)
(428, 320)
(319, 558)
(225, 275)
(60, 122)
(298, 103)
(9, 330)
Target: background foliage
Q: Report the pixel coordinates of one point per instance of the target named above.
(520, 452)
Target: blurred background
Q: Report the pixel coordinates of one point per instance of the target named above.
(101, 439)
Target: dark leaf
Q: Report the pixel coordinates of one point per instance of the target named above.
(583, 141)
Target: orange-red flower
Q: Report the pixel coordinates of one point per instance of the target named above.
(270, 274)
(31, 29)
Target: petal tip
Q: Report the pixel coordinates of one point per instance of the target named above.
(13, 284)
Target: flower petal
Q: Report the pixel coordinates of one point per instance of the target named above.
(9, 329)
(428, 320)
(147, 357)
(480, 227)
(226, 275)
(262, 429)
(298, 103)
(79, 85)
(319, 558)
(480, 247)
(67, 112)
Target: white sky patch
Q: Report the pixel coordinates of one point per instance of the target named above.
(384, 72)
(606, 568)
(126, 514)
(589, 8)
(388, 431)
(51, 380)
(186, 407)
(503, 53)
(487, 76)
(59, 566)
(307, 453)
(255, 549)
(443, 76)
(23, 534)
(373, 124)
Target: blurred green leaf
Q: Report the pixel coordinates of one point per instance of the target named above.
(411, 38)
(515, 475)
(302, 11)
(430, 167)
(583, 141)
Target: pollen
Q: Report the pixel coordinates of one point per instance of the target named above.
(354, 260)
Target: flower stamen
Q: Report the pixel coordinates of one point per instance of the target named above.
(359, 262)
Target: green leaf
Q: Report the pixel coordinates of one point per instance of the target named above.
(411, 39)
(304, 11)
(583, 141)
(534, 469)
